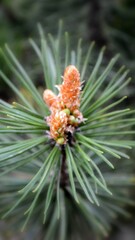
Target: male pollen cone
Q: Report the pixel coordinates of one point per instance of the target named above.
(70, 88)
(65, 115)
(51, 99)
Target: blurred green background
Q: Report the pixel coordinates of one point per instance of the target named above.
(110, 23)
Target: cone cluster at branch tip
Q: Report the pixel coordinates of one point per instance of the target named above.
(64, 107)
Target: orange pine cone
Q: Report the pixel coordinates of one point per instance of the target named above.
(57, 122)
(51, 99)
(65, 115)
(70, 88)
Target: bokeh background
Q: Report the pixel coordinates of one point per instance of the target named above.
(108, 22)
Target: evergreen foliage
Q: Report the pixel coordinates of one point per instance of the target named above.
(85, 182)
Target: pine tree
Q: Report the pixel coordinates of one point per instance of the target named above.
(76, 182)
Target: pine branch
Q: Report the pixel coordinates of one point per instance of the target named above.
(66, 158)
(64, 175)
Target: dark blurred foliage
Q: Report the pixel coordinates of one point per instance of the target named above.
(110, 23)
(114, 26)
(20, 17)
(18, 22)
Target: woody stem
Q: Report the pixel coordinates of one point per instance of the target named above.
(64, 176)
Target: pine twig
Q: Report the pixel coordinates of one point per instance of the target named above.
(64, 175)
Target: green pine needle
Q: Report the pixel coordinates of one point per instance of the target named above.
(84, 177)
